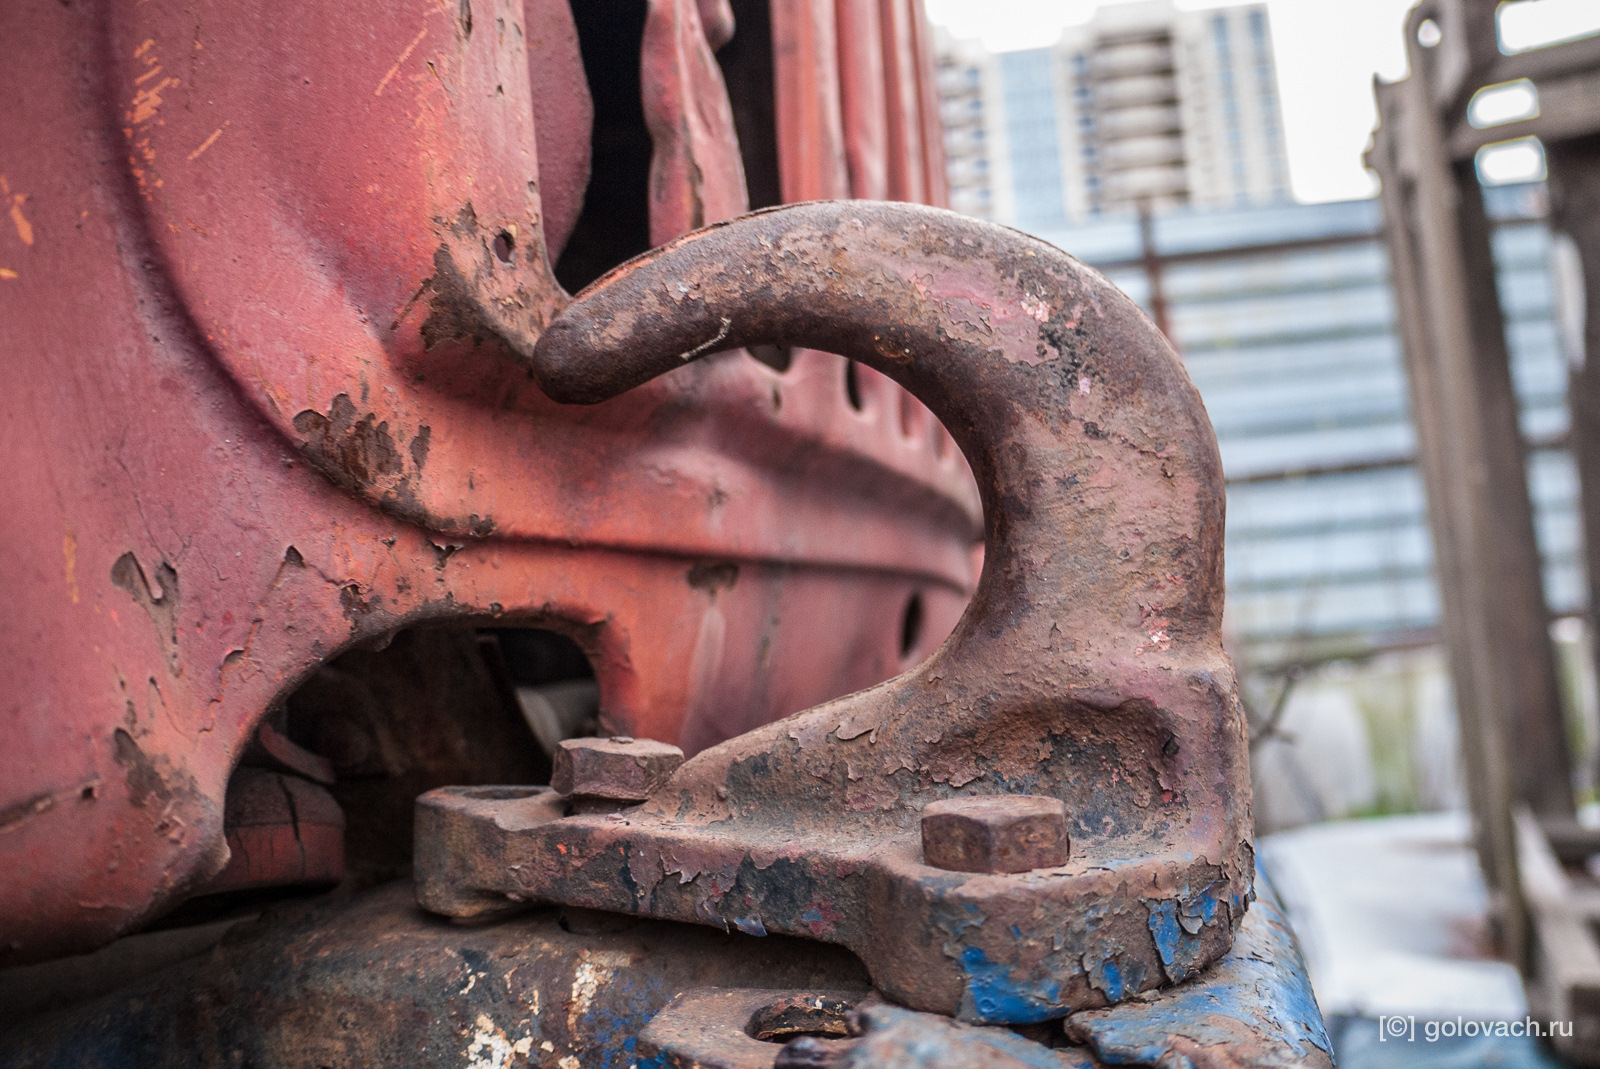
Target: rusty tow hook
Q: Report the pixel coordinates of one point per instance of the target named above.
(1088, 670)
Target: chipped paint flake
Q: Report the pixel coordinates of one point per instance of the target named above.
(147, 99)
(594, 971)
(69, 550)
(727, 324)
(491, 1048)
(14, 202)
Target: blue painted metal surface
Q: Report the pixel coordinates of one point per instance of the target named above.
(1253, 1008)
(369, 980)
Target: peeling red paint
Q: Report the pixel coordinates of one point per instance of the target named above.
(267, 340)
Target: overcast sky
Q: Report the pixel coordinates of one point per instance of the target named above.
(1327, 52)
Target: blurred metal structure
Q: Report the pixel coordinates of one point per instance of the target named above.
(1286, 322)
(1473, 455)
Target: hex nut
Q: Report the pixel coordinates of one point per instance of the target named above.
(616, 769)
(995, 833)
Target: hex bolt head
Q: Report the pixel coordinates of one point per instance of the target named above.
(995, 833)
(612, 770)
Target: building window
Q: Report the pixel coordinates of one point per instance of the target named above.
(1230, 103)
(1219, 34)
(1258, 31)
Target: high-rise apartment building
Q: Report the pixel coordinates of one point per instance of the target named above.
(1144, 102)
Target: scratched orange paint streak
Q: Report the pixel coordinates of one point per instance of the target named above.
(24, 228)
(6, 272)
(415, 41)
(146, 102)
(69, 549)
(208, 142)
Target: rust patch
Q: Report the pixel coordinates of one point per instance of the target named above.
(29, 807)
(354, 604)
(419, 447)
(355, 452)
(143, 779)
(127, 574)
(453, 311)
(713, 577)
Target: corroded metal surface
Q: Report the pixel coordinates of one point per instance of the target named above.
(1089, 666)
(995, 833)
(373, 981)
(370, 980)
(1254, 1010)
(743, 1028)
(616, 769)
(264, 273)
(716, 1028)
(458, 832)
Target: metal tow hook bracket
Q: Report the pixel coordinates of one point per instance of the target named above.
(1088, 669)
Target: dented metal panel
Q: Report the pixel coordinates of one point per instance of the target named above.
(268, 275)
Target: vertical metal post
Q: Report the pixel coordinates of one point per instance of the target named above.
(1398, 195)
(1519, 617)
(1574, 168)
(1474, 466)
(1151, 261)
